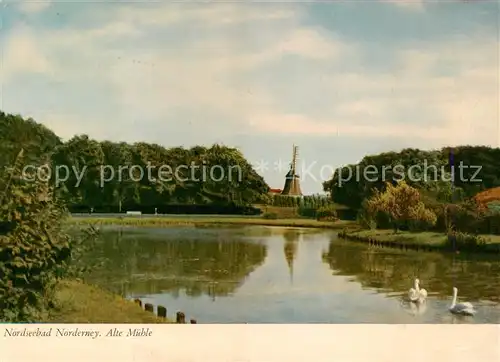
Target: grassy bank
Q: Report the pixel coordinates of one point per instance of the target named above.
(77, 302)
(161, 221)
(416, 240)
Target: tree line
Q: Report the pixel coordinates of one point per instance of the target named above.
(309, 206)
(308, 201)
(433, 201)
(234, 181)
(438, 174)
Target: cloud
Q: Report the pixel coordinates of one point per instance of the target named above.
(22, 54)
(155, 81)
(415, 100)
(32, 7)
(309, 42)
(218, 15)
(412, 5)
(251, 71)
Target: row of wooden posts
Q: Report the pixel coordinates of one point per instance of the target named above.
(161, 312)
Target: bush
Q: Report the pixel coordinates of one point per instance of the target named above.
(326, 213)
(403, 204)
(467, 218)
(270, 215)
(464, 241)
(34, 250)
(490, 223)
(307, 211)
(372, 219)
(365, 221)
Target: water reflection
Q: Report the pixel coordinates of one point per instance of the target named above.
(393, 271)
(290, 245)
(281, 275)
(414, 309)
(205, 263)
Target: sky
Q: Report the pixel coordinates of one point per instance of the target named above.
(340, 80)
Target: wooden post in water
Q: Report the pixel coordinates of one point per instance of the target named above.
(149, 307)
(138, 301)
(162, 311)
(181, 318)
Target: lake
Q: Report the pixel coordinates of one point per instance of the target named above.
(259, 274)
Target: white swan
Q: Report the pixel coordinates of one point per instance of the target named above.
(416, 294)
(422, 292)
(461, 308)
(412, 293)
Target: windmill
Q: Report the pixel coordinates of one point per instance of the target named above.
(292, 180)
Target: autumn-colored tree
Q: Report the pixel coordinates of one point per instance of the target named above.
(403, 205)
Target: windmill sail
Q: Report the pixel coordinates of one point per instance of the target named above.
(292, 180)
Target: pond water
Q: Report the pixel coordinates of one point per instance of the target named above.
(281, 275)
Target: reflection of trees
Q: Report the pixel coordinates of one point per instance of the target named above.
(147, 264)
(393, 270)
(291, 237)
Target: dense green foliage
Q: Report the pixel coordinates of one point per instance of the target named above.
(326, 213)
(270, 216)
(402, 205)
(34, 250)
(311, 201)
(434, 180)
(37, 141)
(311, 206)
(189, 186)
(464, 241)
(106, 176)
(476, 168)
(462, 217)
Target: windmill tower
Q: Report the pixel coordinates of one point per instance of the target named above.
(292, 180)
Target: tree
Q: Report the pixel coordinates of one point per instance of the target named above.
(116, 190)
(402, 204)
(16, 133)
(83, 157)
(33, 247)
(476, 168)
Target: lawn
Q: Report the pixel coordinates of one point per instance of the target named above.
(165, 221)
(424, 237)
(77, 302)
(430, 239)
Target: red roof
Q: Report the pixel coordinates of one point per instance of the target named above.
(275, 191)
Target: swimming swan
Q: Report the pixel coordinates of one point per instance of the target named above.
(461, 308)
(422, 292)
(416, 294)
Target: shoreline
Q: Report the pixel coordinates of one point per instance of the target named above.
(206, 221)
(347, 230)
(79, 302)
(417, 241)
